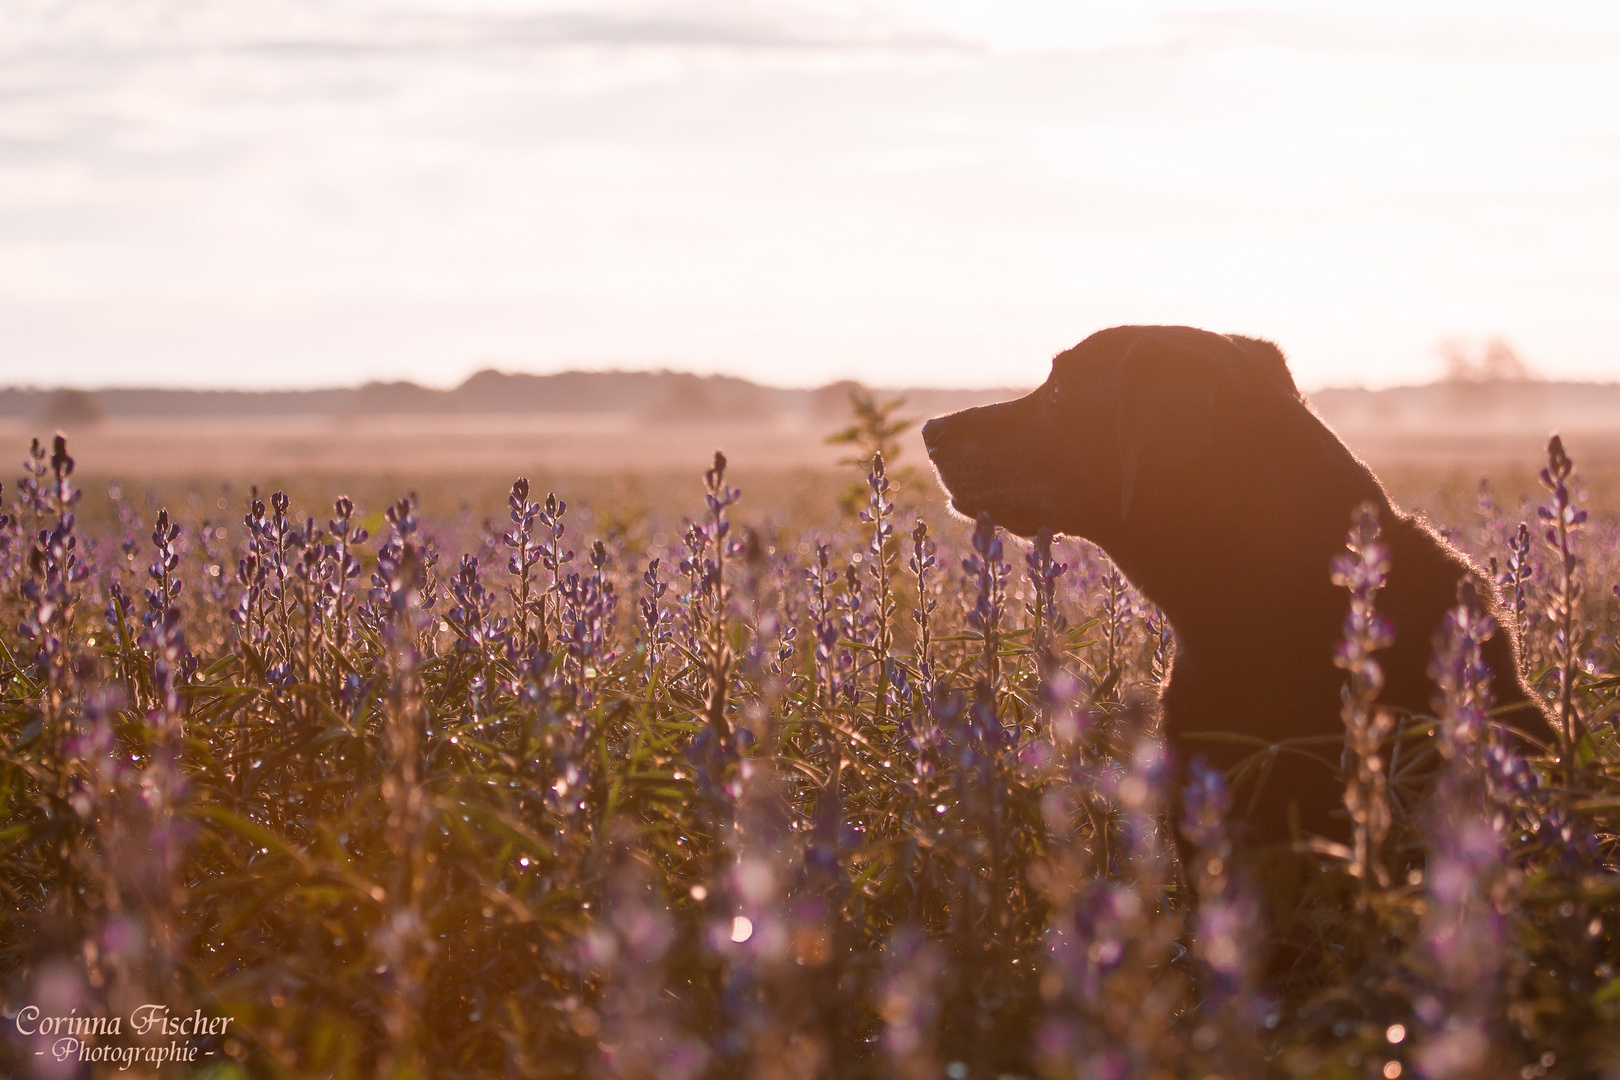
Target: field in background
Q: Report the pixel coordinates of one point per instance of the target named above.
(638, 464)
(599, 429)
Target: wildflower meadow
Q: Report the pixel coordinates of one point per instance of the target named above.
(352, 791)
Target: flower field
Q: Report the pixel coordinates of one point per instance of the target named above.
(710, 795)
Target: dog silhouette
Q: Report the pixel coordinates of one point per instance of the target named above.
(1192, 459)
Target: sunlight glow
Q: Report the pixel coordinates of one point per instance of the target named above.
(285, 192)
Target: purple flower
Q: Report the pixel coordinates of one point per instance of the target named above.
(1363, 571)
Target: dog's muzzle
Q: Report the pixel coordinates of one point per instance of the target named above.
(955, 446)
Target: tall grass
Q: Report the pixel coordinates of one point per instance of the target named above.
(414, 798)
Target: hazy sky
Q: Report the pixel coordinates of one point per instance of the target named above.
(315, 192)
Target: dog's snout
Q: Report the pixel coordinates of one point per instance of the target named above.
(946, 437)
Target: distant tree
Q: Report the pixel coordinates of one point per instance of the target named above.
(833, 399)
(689, 398)
(686, 399)
(71, 409)
(1494, 361)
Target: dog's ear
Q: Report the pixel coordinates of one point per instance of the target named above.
(1166, 411)
(1269, 359)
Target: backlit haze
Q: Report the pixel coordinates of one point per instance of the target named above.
(281, 193)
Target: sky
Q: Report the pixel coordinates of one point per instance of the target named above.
(282, 193)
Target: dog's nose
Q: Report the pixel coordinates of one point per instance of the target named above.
(931, 434)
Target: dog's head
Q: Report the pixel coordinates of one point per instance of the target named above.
(1117, 435)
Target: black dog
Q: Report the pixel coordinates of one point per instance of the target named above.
(1193, 461)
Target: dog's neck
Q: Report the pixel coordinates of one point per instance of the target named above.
(1228, 555)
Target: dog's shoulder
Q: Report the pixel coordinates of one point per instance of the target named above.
(1426, 567)
(1412, 538)
(1425, 571)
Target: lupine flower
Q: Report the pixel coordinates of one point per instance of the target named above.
(855, 625)
(1043, 572)
(552, 556)
(910, 1004)
(347, 537)
(1053, 686)
(988, 574)
(1563, 519)
(921, 562)
(1363, 571)
(473, 618)
(1227, 927)
(655, 620)
(1116, 610)
(641, 1034)
(585, 619)
(525, 545)
(1466, 876)
(1516, 577)
(824, 624)
(881, 556)
(33, 493)
(1107, 1012)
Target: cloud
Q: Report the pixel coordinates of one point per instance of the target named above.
(1406, 31)
(168, 32)
(138, 84)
